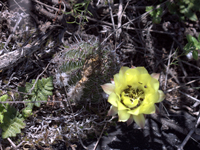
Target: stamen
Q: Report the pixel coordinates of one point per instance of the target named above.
(133, 94)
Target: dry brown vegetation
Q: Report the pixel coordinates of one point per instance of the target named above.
(38, 38)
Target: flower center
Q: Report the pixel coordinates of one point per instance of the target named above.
(132, 97)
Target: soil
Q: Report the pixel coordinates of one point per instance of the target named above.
(82, 51)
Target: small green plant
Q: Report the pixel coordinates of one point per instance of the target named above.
(11, 120)
(175, 57)
(192, 46)
(79, 10)
(155, 14)
(43, 88)
(184, 8)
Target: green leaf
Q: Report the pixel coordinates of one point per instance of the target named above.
(12, 124)
(26, 112)
(183, 10)
(199, 38)
(191, 15)
(156, 20)
(3, 107)
(149, 8)
(191, 39)
(43, 88)
(195, 54)
(3, 98)
(159, 12)
(172, 7)
(198, 46)
(189, 47)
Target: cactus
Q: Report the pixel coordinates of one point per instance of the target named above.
(86, 65)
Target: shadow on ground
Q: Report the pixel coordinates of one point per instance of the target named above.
(151, 137)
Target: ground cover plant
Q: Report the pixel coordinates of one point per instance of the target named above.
(66, 67)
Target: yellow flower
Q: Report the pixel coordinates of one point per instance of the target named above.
(133, 94)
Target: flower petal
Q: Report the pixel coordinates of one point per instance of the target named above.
(122, 71)
(121, 106)
(131, 77)
(152, 97)
(123, 115)
(113, 99)
(118, 83)
(140, 120)
(147, 108)
(142, 70)
(108, 88)
(155, 75)
(112, 111)
(144, 79)
(161, 96)
(130, 120)
(135, 111)
(117, 79)
(154, 84)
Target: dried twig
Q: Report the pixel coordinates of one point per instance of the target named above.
(169, 59)
(38, 78)
(9, 80)
(56, 9)
(11, 59)
(13, 144)
(190, 64)
(131, 21)
(72, 113)
(111, 15)
(197, 100)
(14, 29)
(190, 133)
(173, 125)
(102, 133)
(177, 87)
(119, 14)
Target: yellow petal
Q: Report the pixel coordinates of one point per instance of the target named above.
(121, 106)
(113, 99)
(122, 71)
(135, 111)
(131, 77)
(112, 111)
(119, 84)
(123, 115)
(140, 120)
(117, 79)
(154, 84)
(161, 96)
(147, 108)
(144, 79)
(142, 70)
(152, 97)
(108, 88)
